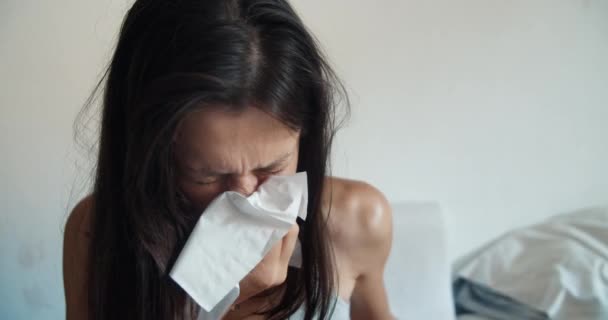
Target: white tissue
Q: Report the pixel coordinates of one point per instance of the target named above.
(233, 235)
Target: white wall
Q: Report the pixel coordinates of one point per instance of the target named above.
(50, 53)
(497, 109)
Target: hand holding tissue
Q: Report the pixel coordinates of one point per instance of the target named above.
(233, 235)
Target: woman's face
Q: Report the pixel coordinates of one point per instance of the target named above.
(218, 151)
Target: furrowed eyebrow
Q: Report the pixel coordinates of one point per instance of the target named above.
(275, 163)
(210, 172)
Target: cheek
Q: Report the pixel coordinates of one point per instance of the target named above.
(291, 168)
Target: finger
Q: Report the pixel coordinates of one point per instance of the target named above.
(289, 243)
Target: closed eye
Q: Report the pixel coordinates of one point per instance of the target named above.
(208, 180)
(269, 171)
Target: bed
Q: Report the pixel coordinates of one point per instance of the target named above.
(557, 269)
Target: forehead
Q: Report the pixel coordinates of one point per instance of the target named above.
(221, 139)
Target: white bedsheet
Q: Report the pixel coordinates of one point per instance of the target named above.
(559, 266)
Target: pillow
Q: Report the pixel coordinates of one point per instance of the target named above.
(559, 266)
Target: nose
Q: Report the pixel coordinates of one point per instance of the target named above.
(244, 184)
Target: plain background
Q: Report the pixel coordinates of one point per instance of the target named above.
(496, 109)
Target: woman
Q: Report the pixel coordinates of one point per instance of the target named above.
(203, 97)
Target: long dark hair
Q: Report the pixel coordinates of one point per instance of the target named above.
(172, 58)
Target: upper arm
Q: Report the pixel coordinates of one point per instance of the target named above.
(368, 243)
(75, 259)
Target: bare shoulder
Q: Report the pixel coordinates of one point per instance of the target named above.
(78, 222)
(360, 222)
(76, 242)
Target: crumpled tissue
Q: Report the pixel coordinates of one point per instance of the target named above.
(232, 236)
